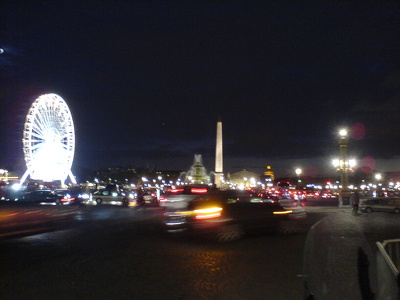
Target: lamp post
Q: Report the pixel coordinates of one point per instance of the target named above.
(378, 177)
(344, 165)
(298, 172)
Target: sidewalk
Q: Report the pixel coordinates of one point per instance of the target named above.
(330, 255)
(327, 209)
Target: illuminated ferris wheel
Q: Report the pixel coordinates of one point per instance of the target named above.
(49, 140)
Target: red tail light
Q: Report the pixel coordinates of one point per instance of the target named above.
(66, 200)
(175, 190)
(198, 190)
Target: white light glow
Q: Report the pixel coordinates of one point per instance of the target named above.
(343, 132)
(16, 186)
(352, 163)
(49, 139)
(335, 162)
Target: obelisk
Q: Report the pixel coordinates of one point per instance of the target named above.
(219, 169)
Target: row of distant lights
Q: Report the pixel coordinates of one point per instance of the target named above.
(368, 186)
(180, 183)
(269, 184)
(147, 182)
(329, 186)
(150, 182)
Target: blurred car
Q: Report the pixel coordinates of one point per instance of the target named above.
(43, 197)
(328, 195)
(226, 215)
(382, 204)
(147, 198)
(311, 194)
(11, 194)
(114, 197)
(268, 198)
(23, 218)
(73, 197)
(299, 195)
(179, 198)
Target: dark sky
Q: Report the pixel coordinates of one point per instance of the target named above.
(146, 80)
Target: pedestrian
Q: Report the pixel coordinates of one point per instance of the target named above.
(355, 200)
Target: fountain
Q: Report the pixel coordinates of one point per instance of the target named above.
(197, 173)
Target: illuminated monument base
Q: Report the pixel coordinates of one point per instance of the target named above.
(218, 179)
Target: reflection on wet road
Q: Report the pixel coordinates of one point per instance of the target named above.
(124, 256)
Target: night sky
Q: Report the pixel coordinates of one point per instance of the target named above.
(147, 80)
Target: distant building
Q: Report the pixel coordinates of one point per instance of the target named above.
(244, 178)
(269, 173)
(393, 176)
(268, 178)
(116, 175)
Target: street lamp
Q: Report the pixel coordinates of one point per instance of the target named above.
(344, 165)
(343, 132)
(378, 177)
(298, 172)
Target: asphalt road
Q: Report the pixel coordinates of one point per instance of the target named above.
(119, 254)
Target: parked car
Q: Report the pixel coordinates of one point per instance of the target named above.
(43, 197)
(381, 204)
(114, 197)
(227, 215)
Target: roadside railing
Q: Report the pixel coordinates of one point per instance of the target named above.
(388, 264)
